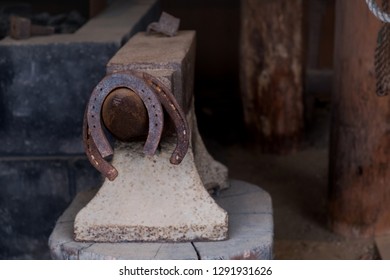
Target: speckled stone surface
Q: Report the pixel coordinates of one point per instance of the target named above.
(250, 233)
(151, 200)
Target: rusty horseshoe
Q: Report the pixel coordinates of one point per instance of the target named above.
(93, 154)
(135, 83)
(95, 142)
(155, 95)
(177, 115)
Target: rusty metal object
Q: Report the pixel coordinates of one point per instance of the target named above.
(21, 28)
(167, 25)
(93, 154)
(118, 94)
(132, 81)
(177, 115)
(121, 107)
(95, 142)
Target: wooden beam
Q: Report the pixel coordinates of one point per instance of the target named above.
(271, 72)
(360, 135)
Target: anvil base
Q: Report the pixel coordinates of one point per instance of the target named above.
(151, 200)
(250, 233)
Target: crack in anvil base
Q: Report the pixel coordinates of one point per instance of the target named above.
(151, 200)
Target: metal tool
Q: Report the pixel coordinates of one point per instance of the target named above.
(154, 95)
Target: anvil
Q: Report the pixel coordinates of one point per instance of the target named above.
(158, 184)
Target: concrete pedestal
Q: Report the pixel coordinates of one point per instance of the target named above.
(250, 232)
(151, 200)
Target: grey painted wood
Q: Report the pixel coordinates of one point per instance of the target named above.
(250, 233)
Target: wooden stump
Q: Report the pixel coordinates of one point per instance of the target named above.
(251, 231)
(360, 138)
(271, 72)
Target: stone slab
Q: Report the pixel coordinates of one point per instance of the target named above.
(34, 191)
(32, 195)
(250, 225)
(45, 81)
(251, 233)
(116, 24)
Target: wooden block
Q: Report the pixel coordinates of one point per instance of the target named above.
(383, 245)
(250, 233)
(271, 72)
(250, 225)
(359, 200)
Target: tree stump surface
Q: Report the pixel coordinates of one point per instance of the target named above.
(250, 233)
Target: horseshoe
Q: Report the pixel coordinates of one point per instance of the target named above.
(93, 153)
(153, 93)
(170, 104)
(134, 82)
